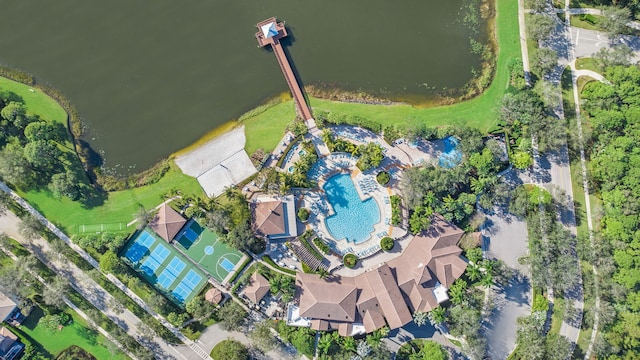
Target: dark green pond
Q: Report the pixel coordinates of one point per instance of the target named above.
(151, 77)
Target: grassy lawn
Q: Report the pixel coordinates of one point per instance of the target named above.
(120, 206)
(36, 101)
(587, 64)
(480, 112)
(265, 129)
(558, 314)
(77, 333)
(578, 21)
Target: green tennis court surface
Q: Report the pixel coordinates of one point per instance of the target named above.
(164, 267)
(203, 246)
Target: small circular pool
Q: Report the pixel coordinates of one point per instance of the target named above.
(353, 219)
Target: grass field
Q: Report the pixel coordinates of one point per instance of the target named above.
(208, 251)
(36, 101)
(77, 333)
(587, 64)
(120, 206)
(265, 129)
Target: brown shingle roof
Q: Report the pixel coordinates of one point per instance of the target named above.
(6, 307)
(389, 299)
(383, 293)
(372, 320)
(269, 217)
(333, 300)
(214, 296)
(257, 287)
(167, 223)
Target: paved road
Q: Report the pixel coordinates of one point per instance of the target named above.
(505, 238)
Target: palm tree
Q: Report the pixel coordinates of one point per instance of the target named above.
(487, 280)
(473, 272)
(438, 315)
(325, 343)
(323, 273)
(349, 343)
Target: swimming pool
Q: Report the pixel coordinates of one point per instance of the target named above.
(451, 156)
(353, 219)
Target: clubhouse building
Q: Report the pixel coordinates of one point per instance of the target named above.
(417, 280)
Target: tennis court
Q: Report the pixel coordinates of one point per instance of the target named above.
(203, 246)
(164, 267)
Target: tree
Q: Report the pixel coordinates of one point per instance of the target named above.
(42, 130)
(52, 323)
(262, 336)
(371, 156)
(15, 168)
(42, 154)
(117, 307)
(55, 293)
(143, 217)
(457, 291)
(543, 60)
(420, 318)
(540, 26)
(616, 55)
(65, 184)
(327, 342)
(230, 350)
(13, 111)
(521, 160)
(145, 331)
(231, 316)
(438, 315)
(386, 243)
(615, 20)
(431, 350)
(110, 263)
(30, 227)
(199, 307)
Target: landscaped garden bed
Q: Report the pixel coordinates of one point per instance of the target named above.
(350, 260)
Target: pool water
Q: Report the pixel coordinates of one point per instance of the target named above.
(451, 156)
(353, 219)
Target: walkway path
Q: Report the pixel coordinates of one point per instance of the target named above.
(585, 186)
(523, 43)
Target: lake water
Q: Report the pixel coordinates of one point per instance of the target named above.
(151, 77)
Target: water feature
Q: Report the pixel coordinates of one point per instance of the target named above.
(167, 72)
(353, 219)
(451, 156)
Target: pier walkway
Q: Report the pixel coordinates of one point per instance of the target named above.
(270, 32)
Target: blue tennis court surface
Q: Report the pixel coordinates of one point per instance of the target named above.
(164, 267)
(149, 266)
(191, 279)
(227, 265)
(166, 278)
(181, 292)
(176, 266)
(160, 253)
(191, 235)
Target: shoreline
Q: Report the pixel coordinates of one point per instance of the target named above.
(341, 101)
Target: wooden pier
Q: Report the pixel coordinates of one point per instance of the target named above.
(270, 32)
